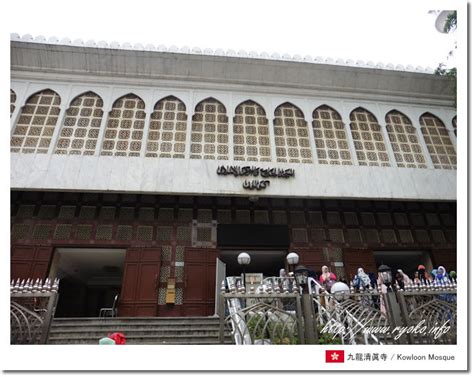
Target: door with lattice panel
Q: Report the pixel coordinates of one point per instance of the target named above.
(355, 258)
(199, 281)
(139, 295)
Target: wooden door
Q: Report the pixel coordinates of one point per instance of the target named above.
(313, 259)
(355, 258)
(139, 295)
(30, 261)
(199, 282)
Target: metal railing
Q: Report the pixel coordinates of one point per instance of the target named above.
(32, 306)
(272, 314)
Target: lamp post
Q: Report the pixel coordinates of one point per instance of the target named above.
(244, 260)
(292, 259)
(393, 308)
(301, 277)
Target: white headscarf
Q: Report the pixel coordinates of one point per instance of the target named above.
(363, 276)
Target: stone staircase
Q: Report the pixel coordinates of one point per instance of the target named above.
(138, 330)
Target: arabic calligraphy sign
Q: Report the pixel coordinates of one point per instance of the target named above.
(253, 171)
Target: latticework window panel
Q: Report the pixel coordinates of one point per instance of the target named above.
(438, 142)
(167, 133)
(330, 137)
(404, 141)
(12, 101)
(210, 131)
(291, 135)
(368, 139)
(455, 125)
(81, 126)
(35, 126)
(124, 132)
(251, 134)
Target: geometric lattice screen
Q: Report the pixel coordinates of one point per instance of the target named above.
(404, 141)
(12, 101)
(438, 142)
(81, 126)
(124, 132)
(210, 131)
(35, 126)
(251, 135)
(368, 139)
(291, 135)
(330, 137)
(167, 132)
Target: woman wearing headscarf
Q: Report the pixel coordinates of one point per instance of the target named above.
(416, 278)
(402, 279)
(422, 274)
(327, 278)
(441, 276)
(361, 280)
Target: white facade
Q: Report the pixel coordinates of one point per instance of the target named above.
(71, 71)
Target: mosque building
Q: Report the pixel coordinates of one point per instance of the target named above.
(145, 171)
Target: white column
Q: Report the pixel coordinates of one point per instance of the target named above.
(107, 107)
(148, 111)
(271, 133)
(381, 119)
(230, 112)
(308, 116)
(346, 121)
(59, 123)
(189, 123)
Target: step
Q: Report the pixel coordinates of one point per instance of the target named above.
(138, 330)
(130, 333)
(139, 341)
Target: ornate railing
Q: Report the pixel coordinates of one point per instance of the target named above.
(273, 314)
(32, 306)
(264, 316)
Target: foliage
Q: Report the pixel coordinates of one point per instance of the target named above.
(451, 22)
(278, 332)
(328, 338)
(450, 25)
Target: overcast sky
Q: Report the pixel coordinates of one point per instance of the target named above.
(388, 32)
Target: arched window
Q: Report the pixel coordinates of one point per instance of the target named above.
(35, 126)
(405, 144)
(12, 101)
(368, 139)
(291, 135)
(124, 132)
(438, 142)
(455, 125)
(251, 135)
(210, 131)
(330, 137)
(81, 126)
(167, 133)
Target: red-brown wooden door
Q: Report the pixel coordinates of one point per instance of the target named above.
(355, 258)
(139, 295)
(30, 261)
(312, 259)
(199, 282)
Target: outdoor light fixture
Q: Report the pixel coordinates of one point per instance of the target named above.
(301, 275)
(385, 274)
(244, 260)
(292, 258)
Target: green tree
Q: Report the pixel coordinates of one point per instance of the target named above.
(450, 25)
